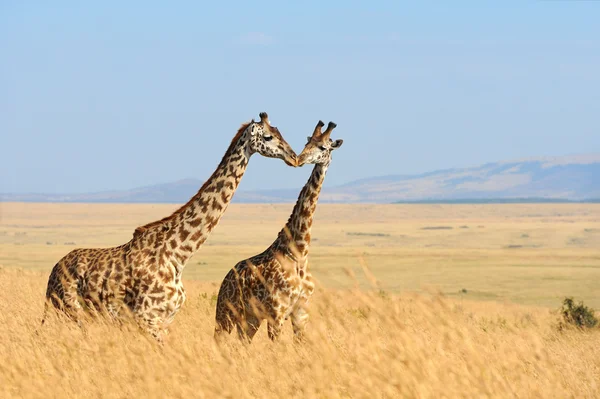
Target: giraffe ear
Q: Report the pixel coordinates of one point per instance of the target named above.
(337, 143)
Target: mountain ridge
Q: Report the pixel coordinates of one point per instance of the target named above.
(566, 178)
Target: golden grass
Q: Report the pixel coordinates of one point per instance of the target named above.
(407, 340)
(359, 344)
(530, 254)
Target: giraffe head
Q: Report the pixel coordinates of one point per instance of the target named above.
(267, 141)
(319, 146)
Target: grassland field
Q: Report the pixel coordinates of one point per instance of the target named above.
(529, 254)
(412, 301)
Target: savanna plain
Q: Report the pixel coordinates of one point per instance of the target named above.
(412, 301)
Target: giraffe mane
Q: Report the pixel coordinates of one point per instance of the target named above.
(141, 229)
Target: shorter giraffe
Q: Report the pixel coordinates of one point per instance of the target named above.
(277, 283)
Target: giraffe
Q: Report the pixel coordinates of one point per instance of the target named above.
(277, 283)
(143, 276)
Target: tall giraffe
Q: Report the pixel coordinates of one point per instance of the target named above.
(143, 276)
(277, 283)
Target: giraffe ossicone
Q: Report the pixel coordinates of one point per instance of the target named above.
(143, 276)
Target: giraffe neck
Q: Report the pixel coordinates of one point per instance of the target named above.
(179, 236)
(296, 233)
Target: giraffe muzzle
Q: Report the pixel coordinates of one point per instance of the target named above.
(291, 160)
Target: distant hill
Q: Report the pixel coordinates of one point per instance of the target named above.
(573, 178)
(554, 179)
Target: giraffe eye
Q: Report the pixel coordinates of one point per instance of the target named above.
(268, 138)
(322, 148)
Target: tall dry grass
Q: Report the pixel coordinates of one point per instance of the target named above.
(359, 344)
(533, 254)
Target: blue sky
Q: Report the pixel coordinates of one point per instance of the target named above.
(115, 95)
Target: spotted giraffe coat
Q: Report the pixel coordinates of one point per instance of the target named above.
(143, 276)
(276, 284)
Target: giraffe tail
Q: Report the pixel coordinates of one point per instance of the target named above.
(218, 335)
(45, 315)
(51, 298)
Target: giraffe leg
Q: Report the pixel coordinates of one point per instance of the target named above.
(224, 321)
(248, 328)
(151, 326)
(230, 310)
(148, 319)
(299, 320)
(274, 327)
(62, 289)
(65, 299)
(299, 314)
